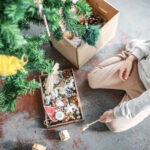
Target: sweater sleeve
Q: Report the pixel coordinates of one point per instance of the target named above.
(139, 48)
(132, 108)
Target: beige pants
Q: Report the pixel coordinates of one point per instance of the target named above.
(106, 76)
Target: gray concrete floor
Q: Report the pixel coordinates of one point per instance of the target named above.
(23, 128)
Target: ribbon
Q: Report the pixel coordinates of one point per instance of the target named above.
(44, 17)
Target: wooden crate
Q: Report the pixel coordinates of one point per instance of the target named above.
(78, 56)
(41, 79)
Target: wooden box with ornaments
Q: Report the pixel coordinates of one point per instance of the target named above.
(78, 52)
(60, 98)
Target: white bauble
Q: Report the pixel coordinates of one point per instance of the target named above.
(74, 1)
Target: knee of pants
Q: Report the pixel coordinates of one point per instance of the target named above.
(96, 78)
(92, 79)
(114, 128)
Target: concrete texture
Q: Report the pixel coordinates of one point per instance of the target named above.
(23, 128)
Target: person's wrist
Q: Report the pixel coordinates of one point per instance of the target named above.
(113, 115)
(132, 58)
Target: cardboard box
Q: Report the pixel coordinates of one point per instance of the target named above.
(47, 120)
(79, 56)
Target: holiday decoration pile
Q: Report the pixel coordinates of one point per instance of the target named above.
(61, 102)
(92, 24)
(96, 20)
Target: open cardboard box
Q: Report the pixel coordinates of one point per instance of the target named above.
(79, 56)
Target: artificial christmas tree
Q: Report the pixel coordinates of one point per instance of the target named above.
(16, 15)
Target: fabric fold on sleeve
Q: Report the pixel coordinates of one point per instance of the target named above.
(138, 48)
(132, 108)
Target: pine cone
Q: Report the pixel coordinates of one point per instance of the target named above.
(66, 73)
(74, 99)
(95, 19)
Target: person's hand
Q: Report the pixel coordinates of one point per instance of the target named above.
(107, 116)
(126, 68)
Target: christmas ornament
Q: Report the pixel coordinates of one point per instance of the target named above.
(68, 35)
(74, 1)
(74, 9)
(68, 109)
(68, 93)
(61, 90)
(70, 84)
(39, 2)
(60, 115)
(65, 101)
(59, 103)
(50, 80)
(77, 112)
(9, 65)
(74, 98)
(79, 117)
(82, 19)
(47, 100)
(51, 111)
(66, 73)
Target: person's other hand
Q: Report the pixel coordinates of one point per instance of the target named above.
(107, 116)
(126, 68)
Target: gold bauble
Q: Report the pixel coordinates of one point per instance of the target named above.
(68, 35)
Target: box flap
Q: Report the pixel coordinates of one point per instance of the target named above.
(104, 8)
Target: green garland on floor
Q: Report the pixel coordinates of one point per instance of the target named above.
(16, 15)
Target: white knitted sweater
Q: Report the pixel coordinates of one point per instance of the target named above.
(132, 108)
